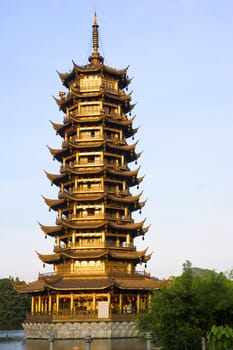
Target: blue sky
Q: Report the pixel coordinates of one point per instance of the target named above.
(180, 54)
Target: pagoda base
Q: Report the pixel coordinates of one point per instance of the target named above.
(79, 330)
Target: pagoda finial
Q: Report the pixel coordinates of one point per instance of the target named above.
(95, 34)
(95, 57)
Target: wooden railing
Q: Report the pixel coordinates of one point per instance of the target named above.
(76, 317)
(136, 274)
(85, 244)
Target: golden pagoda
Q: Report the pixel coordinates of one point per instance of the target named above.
(94, 286)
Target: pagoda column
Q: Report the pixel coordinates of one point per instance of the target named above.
(71, 302)
(75, 210)
(120, 302)
(109, 298)
(57, 302)
(50, 303)
(94, 301)
(149, 303)
(138, 303)
(32, 304)
(39, 304)
(73, 236)
(128, 239)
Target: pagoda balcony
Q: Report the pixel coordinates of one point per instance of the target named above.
(98, 216)
(94, 117)
(94, 245)
(113, 115)
(112, 90)
(90, 273)
(81, 168)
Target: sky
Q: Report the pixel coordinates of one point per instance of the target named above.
(180, 56)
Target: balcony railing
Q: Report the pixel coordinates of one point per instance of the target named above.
(69, 316)
(85, 244)
(135, 274)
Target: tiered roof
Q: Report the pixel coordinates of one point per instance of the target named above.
(114, 198)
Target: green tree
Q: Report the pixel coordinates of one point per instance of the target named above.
(220, 337)
(184, 311)
(13, 306)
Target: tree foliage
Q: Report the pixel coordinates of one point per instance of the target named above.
(13, 306)
(220, 337)
(186, 310)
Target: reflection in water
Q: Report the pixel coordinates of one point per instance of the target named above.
(12, 340)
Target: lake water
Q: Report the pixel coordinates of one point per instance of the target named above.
(14, 340)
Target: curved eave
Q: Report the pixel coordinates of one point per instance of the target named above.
(127, 107)
(85, 254)
(88, 171)
(127, 226)
(88, 120)
(54, 203)
(121, 122)
(89, 68)
(60, 128)
(49, 258)
(85, 145)
(125, 199)
(32, 287)
(56, 179)
(66, 77)
(120, 98)
(137, 284)
(123, 148)
(69, 284)
(146, 229)
(100, 67)
(142, 204)
(131, 132)
(83, 225)
(64, 102)
(140, 179)
(59, 153)
(117, 72)
(83, 197)
(147, 257)
(124, 173)
(52, 230)
(134, 255)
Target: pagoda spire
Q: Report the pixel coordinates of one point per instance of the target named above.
(95, 57)
(95, 34)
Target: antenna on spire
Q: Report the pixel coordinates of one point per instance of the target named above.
(95, 57)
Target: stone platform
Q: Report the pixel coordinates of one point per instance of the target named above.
(78, 330)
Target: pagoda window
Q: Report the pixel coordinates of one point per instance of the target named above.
(112, 135)
(91, 266)
(89, 158)
(90, 108)
(90, 185)
(111, 109)
(89, 133)
(91, 211)
(110, 85)
(90, 83)
(113, 160)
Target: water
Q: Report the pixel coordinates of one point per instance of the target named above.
(14, 340)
